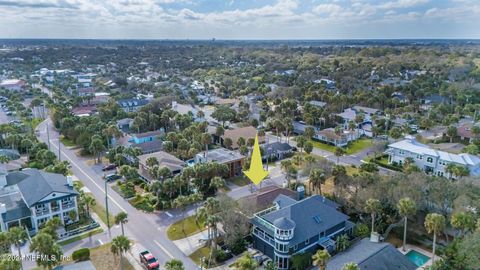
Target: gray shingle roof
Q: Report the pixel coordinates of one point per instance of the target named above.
(369, 255)
(34, 185)
(271, 148)
(15, 206)
(284, 223)
(311, 216)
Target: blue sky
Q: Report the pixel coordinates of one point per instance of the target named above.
(240, 19)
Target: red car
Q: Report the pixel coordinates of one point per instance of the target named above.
(109, 167)
(149, 260)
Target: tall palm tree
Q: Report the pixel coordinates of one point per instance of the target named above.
(17, 236)
(450, 168)
(182, 202)
(246, 262)
(350, 266)
(463, 222)
(217, 182)
(373, 206)
(209, 213)
(317, 179)
(174, 264)
(320, 258)
(89, 202)
(120, 245)
(434, 223)
(406, 207)
(338, 153)
(121, 218)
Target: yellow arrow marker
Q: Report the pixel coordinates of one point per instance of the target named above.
(256, 173)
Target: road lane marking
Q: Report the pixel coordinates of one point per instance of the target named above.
(168, 214)
(164, 249)
(100, 241)
(91, 179)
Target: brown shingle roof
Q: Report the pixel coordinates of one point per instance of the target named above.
(245, 132)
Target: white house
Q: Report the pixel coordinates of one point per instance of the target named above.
(13, 84)
(428, 159)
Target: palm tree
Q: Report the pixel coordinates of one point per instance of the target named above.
(121, 218)
(217, 182)
(206, 140)
(4, 243)
(209, 213)
(174, 264)
(434, 223)
(373, 206)
(342, 242)
(120, 245)
(182, 202)
(44, 244)
(350, 266)
(406, 207)
(271, 266)
(246, 262)
(463, 222)
(450, 168)
(89, 202)
(338, 153)
(320, 258)
(17, 236)
(317, 179)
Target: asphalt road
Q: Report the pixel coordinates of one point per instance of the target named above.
(149, 230)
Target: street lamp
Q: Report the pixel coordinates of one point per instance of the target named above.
(106, 204)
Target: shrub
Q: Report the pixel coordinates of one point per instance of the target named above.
(239, 246)
(362, 230)
(221, 256)
(82, 254)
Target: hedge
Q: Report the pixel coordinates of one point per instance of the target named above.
(82, 254)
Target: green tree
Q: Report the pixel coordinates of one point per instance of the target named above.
(271, 266)
(227, 142)
(434, 224)
(308, 147)
(121, 218)
(223, 114)
(320, 258)
(119, 246)
(17, 237)
(301, 261)
(462, 221)
(96, 146)
(452, 133)
(182, 202)
(373, 206)
(217, 182)
(246, 262)
(317, 179)
(342, 242)
(338, 153)
(44, 244)
(210, 213)
(406, 207)
(174, 264)
(8, 264)
(301, 142)
(151, 161)
(395, 132)
(350, 266)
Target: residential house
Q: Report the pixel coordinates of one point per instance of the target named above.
(13, 85)
(291, 227)
(125, 124)
(244, 132)
(276, 151)
(329, 135)
(365, 127)
(31, 197)
(187, 109)
(148, 142)
(86, 92)
(329, 84)
(300, 126)
(84, 110)
(264, 197)
(464, 131)
(164, 159)
(232, 159)
(430, 160)
(132, 105)
(370, 255)
(316, 103)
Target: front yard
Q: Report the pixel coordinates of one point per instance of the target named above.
(189, 226)
(240, 181)
(352, 148)
(103, 259)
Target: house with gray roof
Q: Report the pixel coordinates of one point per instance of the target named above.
(291, 227)
(369, 255)
(276, 151)
(132, 105)
(31, 197)
(233, 159)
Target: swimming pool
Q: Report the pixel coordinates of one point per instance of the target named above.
(417, 258)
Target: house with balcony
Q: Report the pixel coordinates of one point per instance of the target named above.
(291, 227)
(428, 159)
(340, 139)
(30, 197)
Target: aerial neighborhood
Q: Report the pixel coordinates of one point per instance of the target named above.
(132, 155)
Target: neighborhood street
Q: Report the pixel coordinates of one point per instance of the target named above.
(147, 229)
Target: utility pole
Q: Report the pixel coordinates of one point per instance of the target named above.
(59, 152)
(48, 137)
(106, 205)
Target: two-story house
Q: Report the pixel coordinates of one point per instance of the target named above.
(30, 197)
(291, 227)
(430, 160)
(233, 159)
(132, 105)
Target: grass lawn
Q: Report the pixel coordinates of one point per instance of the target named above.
(241, 180)
(102, 214)
(358, 145)
(352, 148)
(174, 231)
(351, 170)
(80, 237)
(67, 142)
(103, 259)
(199, 254)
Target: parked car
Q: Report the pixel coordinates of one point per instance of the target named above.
(148, 260)
(112, 177)
(109, 167)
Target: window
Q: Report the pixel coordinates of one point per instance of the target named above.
(307, 241)
(401, 152)
(419, 157)
(295, 247)
(429, 159)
